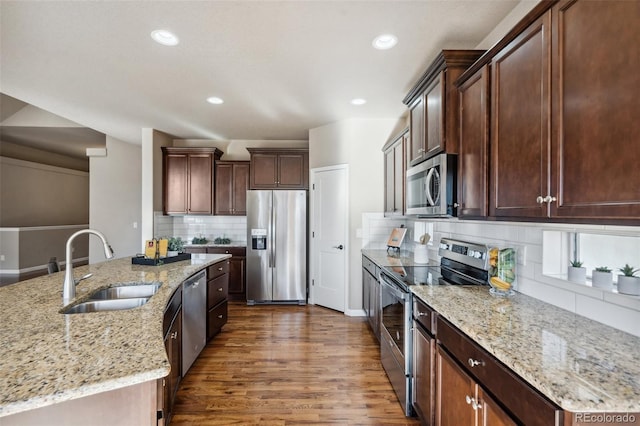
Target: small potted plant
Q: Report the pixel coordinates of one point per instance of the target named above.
(628, 283)
(601, 277)
(576, 272)
(176, 246)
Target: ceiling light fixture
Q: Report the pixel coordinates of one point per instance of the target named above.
(215, 100)
(165, 37)
(384, 41)
(358, 101)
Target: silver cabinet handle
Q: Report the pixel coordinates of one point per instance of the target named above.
(468, 399)
(456, 205)
(474, 362)
(423, 314)
(220, 268)
(174, 335)
(220, 316)
(220, 289)
(226, 251)
(539, 200)
(548, 199)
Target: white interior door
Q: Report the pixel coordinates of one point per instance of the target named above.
(329, 236)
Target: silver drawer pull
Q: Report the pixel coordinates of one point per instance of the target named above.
(423, 314)
(468, 399)
(474, 362)
(220, 316)
(220, 268)
(174, 335)
(220, 289)
(226, 251)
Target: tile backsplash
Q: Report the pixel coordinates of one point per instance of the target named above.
(210, 227)
(611, 308)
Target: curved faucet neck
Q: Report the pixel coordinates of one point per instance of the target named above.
(69, 285)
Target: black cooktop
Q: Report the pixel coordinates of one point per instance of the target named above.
(448, 273)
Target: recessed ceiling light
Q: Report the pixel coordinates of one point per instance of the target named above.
(358, 101)
(215, 100)
(165, 37)
(384, 41)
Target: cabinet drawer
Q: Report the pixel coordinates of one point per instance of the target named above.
(233, 251)
(171, 310)
(216, 318)
(218, 269)
(217, 290)
(370, 266)
(526, 404)
(424, 315)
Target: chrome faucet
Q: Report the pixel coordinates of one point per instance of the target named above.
(69, 286)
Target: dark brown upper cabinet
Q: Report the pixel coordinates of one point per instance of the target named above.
(564, 131)
(595, 138)
(394, 174)
(279, 168)
(188, 180)
(231, 184)
(473, 157)
(433, 106)
(520, 123)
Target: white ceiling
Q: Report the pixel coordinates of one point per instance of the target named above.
(282, 67)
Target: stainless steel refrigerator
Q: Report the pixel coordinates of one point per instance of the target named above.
(276, 247)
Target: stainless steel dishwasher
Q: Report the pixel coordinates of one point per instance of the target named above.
(194, 318)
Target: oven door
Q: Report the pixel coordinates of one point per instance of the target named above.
(395, 339)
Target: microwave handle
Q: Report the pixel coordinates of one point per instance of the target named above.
(427, 188)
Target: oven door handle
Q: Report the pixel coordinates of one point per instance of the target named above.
(392, 287)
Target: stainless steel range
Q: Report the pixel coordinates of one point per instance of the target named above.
(462, 263)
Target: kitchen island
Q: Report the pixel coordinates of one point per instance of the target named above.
(49, 358)
(580, 365)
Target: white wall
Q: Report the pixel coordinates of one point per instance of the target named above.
(115, 199)
(357, 142)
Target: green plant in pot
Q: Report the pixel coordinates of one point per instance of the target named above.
(175, 246)
(576, 272)
(601, 277)
(628, 283)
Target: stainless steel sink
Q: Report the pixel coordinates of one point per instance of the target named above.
(105, 305)
(126, 291)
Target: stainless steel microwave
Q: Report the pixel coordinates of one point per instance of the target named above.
(431, 187)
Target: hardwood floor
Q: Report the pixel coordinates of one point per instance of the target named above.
(285, 365)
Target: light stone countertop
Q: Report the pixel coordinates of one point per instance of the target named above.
(580, 364)
(47, 357)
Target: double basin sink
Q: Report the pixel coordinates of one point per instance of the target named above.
(118, 297)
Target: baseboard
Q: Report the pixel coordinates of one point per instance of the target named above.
(355, 313)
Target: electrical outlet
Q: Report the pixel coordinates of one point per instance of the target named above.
(1, 257)
(135, 225)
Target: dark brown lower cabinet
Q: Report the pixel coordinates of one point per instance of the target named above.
(217, 290)
(461, 401)
(237, 268)
(172, 328)
(424, 346)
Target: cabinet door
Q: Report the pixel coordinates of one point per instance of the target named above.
(293, 171)
(474, 145)
(264, 171)
(173, 345)
(237, 278)
(423, 374)
(416, 125)
(176, 168)
(224, 189)
(596, 131)
(200, 184)
(240, 186)
(454, 389)
(389, 182)
(217, 290)
(490, 413)
(433, 122)
(520, 124)
(398, 176)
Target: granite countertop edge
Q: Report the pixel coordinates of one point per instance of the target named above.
(48, 357)
(579, 364)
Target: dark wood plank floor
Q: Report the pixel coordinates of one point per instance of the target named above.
(285, 365)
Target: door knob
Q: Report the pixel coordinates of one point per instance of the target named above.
(340, 247)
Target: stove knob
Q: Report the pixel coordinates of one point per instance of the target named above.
(478, 255)
(471, 253)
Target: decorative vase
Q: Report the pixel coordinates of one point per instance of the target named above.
(629, 285)
(602, 279)
(577, 275)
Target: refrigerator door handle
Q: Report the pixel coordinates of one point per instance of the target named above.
(272, 223)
